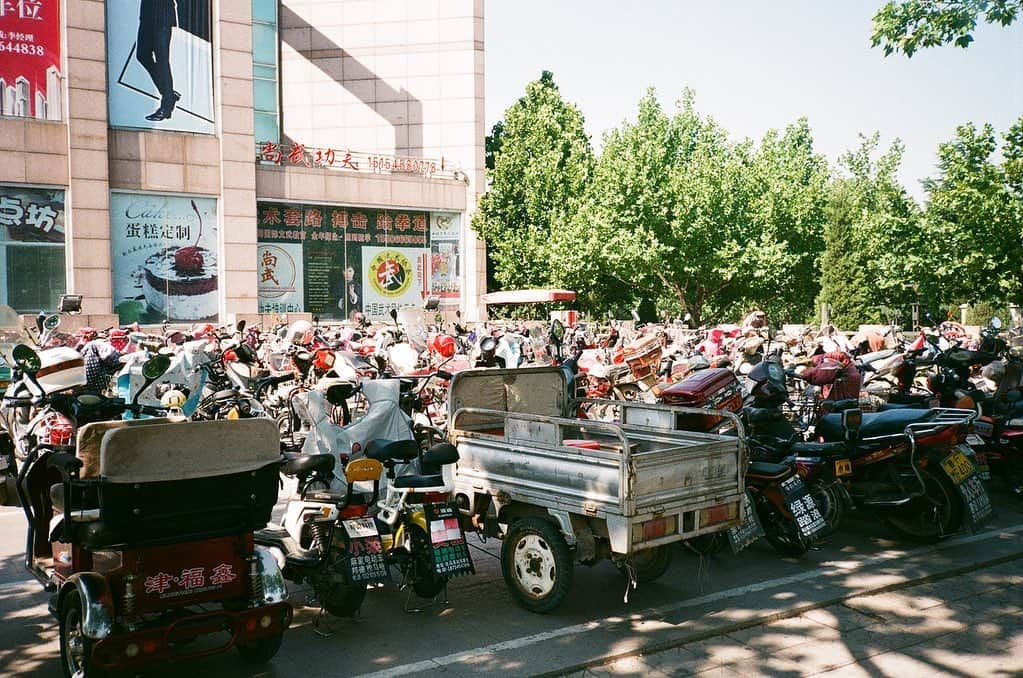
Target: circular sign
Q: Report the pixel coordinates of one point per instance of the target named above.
(277, 272)
(390, 273)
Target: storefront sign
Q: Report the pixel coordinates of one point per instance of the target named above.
(30, 80)
(32, 266)
(445, 276)
(160, 65)
(347, 259)
(165, 252)
(273, 153)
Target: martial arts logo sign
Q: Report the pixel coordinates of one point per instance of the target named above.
(160, 65)
(390, 273)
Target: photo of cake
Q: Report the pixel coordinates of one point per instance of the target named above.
(182, 282)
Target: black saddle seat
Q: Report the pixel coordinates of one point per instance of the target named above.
(419, 481)
(765, 469)
(84, 499)
(341, 498)
(294, 554)
(964, 358)
(382, 449)
(891, 422)
(307, 464)
(824, 450)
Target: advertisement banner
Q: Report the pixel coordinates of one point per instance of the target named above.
(31, 215)
(280, 278)
(160, 65)
(334, 241)
(30, 80)
(445, 275)
(165, 258)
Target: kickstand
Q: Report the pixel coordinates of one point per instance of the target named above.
(630, 572)
(323, 625)
(428, 604)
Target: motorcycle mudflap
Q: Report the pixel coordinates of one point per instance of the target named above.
(365, 561)
(804, 509)
(963, 474)
(450, 555)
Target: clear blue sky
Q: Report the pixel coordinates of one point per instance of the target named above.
(755, 66)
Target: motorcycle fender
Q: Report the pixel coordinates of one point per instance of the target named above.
(1012, 433)
(269, 574)
(419, 518)
(97, 603)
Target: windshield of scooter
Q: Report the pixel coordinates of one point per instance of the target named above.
(11, 334)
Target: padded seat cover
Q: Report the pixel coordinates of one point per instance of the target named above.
(392, 450)
(419, 481)
(890, 422)
(188, 450)
(826, 450)
(91, 435)
(766, 469)
(307, 464)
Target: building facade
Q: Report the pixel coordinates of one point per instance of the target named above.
(199, 159)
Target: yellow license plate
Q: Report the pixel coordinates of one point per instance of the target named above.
(958, 467)
(843, 467)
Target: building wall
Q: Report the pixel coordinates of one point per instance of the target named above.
(384, 76)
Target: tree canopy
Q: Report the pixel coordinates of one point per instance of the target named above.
(909, 25)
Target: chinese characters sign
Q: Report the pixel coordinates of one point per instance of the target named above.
(189, 581)
(160, 65)
(273, 153)
(450, 552)
(165, 252)
(32, 264)
(30, 79)
(31, 214)
(365, 561)
(334, 261)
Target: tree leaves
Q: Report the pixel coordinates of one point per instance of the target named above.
(909, 25)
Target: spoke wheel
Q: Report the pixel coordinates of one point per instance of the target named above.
(75, 646)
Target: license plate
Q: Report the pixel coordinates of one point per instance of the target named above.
(358, 528)
(933, 402)
(958, 467)
(985, 428)
(975, 440)
(843, 467)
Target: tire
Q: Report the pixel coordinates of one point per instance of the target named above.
(650, 564)
(830, 500)
(75, 648)
(536, 564)
(425, 582)
(629, 392)
(933, 516)
(780, 531)
(339, 596)
(260, 651)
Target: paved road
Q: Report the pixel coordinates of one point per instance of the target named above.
(481, 630)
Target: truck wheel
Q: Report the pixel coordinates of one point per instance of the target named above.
(260, 651)
(536, 564)
(75, 646)
(650, 564)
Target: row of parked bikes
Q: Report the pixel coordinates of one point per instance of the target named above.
(107, 437)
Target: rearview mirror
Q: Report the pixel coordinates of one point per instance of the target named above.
(51, 322)
(996, 323)
(155, 367)
(557, 331)
(241, 325)
(394, 314)
(26, 359)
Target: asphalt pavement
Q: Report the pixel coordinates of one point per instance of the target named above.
(864, 601)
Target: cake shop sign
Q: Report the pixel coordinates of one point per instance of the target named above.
(300, 155)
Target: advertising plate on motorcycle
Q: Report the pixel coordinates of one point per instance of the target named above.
(450, 552)
(975, 498)
(843, 467)
(365, 561)
(804, 509)
(749, 530)
(974, 440)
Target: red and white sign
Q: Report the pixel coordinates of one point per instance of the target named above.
(30, 78)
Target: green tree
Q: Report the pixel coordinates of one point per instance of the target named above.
(539, 162)
(874, 241)
(909, 25)
(975, 216)
(679, 214)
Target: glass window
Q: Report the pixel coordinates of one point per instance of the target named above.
(265, 82)
(35, 277)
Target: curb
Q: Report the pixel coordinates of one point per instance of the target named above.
(776, 616)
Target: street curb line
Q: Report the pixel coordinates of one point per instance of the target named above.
(725, 629)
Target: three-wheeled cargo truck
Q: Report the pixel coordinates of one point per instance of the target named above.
(559, 489)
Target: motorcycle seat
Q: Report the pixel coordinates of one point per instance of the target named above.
(307, 464)
(767, 470)
(825, 450)
(340, 498)
(876, 356)
(890, 422)
(294, 554)
(382, 449)
(418, 482)
(84, 503)
(963, 357)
